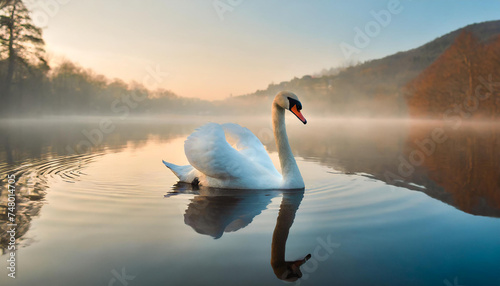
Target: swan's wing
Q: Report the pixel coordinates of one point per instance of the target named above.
(249, 145)
(208, 151)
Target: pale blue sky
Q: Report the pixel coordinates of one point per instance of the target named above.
(258, 42)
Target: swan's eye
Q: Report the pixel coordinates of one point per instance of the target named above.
(294, 102)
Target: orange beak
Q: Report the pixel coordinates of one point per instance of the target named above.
(297, 113)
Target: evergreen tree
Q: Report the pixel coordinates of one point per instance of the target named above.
(21, 47)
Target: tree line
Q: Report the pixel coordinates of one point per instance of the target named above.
(29, 86)
(391, 86)
(463, 83)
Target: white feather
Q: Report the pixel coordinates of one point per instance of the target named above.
(230, 156)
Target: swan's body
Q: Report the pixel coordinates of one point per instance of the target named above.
(230, 156)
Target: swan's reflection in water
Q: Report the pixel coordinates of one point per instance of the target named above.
(286, 270)
(214, 212)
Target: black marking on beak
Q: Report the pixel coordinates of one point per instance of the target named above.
(294, 102)
(295, 107)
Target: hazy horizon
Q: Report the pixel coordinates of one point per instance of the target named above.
(150, 142)
(198, 52)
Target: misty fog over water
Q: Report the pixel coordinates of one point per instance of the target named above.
(403, 181)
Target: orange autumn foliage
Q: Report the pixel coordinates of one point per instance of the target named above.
(463, 81)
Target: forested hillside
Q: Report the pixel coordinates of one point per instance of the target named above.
(377, 87)
(463, 81)
(29, 86)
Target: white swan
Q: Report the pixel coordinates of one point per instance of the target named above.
(230, 156)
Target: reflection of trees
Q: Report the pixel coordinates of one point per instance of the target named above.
(350, 147)
(462, 84)
(30, 192)
(467, 166)
(31, 185)
(38, 140)
(463, 172)
(37, 151)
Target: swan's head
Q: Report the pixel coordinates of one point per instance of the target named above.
(290, 101)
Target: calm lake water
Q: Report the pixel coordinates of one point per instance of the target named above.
(386, 203)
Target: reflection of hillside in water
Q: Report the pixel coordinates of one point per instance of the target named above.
(36, 151)
(463, 171)
(31, 139)
(466, 165)
(30, 189)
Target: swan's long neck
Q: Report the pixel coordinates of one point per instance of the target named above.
(292, 178)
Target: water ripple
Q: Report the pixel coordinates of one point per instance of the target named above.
(32, 182)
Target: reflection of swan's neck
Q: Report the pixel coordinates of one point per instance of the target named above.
(280, 235)
(291, 174)
(289, 206)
